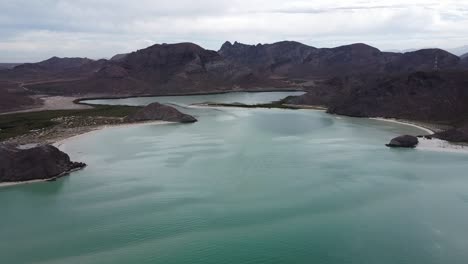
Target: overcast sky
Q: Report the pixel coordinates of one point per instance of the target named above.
(33, 30)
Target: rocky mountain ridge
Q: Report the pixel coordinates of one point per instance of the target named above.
(356, 80)
(296, 60)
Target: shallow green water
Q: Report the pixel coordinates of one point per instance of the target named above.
(244, 186)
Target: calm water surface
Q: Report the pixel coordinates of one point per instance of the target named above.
(243, 186)
(236, 97)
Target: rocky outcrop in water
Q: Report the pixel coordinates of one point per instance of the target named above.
(403, 142)
(157, 111)
(38, 162)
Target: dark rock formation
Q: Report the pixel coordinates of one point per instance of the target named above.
(424, 96)
(34, 163)
(278, 58)
(157, 111)
(403, 142)
(454, 135)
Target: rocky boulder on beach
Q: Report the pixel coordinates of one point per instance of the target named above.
(34, 162)
(403, 142)
(157, 111)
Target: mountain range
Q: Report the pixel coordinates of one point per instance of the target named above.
(355, 80)
(459, 51)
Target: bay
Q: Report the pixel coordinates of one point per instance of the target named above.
(243, 186)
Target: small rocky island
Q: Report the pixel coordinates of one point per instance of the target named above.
(19, 163)
(405, 141)
(157, 111)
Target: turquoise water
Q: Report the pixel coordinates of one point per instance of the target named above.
(236, 97)
(244, 186)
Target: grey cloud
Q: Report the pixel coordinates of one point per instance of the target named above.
(34, 29)
(335, 9)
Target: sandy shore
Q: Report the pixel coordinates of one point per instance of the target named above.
(84, 131)
(439, 145)
(433, 144)
(426, 129)
(62, 103)
(62, 140)
(9, 184)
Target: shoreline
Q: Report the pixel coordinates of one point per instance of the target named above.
(60, 141)
(11, 184)
(428, 130)
(73, 134)
(433, 144)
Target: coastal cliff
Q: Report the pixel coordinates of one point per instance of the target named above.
(36, 162)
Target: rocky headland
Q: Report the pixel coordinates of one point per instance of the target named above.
(157, 111)
(20, 163)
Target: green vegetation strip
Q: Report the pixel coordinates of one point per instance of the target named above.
(13, 125)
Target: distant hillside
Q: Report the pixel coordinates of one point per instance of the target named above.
(459, 50)
(296, 60)
(279, 58)
(4, 66)
(52, 69)
(425, 96)
(163, 69)
(456, 51)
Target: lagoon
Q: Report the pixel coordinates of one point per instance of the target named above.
(243, 186)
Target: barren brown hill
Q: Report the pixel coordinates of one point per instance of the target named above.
(52, 69)
(425, 96)
(356, 80)
(277, 58)
(14, 98)
(296, 60)
(163, 69)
